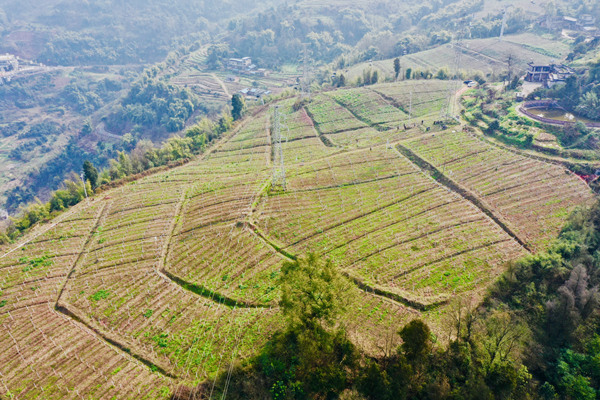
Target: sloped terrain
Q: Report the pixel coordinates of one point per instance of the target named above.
(168, 279)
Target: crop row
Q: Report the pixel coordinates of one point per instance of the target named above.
(46, 355)
(226, 259)
(370, 107)
(330, 117)
(296, 215)
(347, 168)
(534, 196)
(170, 326)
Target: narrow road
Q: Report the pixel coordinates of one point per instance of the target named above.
(220, 82)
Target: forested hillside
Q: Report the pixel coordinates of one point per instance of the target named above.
(72, 32)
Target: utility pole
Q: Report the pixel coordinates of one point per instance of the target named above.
(305, 72)
(410, 106)
(278, 162)
(83, 181)
(509, 61)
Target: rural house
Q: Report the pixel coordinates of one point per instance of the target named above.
(8, 62)
(549, 75)
(239, 64)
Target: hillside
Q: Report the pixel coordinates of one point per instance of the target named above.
(66, 32)
(169, 279)
(488, 56)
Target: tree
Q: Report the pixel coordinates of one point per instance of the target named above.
(442, 73)
(312, 292)
(90, 174)
(589, 106)
(396, 67)
(366, 77)
(408, 73)
(309, 359)
(342, 81)
(416, 338)
(374, 77)
(238, 104)
(87, 127)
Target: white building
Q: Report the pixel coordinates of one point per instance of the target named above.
(8, 62)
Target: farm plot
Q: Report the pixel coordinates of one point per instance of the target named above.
(229, 260)
(329, 117)
(533, 196)
(46, 355)
(181, 267)
(346, 169)
(427, 97)
(181, 332)
(34, 273)
(300, 139)
(254, 134)
(203, 84)
(387, 225)
(118, 287)
(370, 107)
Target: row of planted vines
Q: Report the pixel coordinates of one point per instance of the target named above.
(169, 279)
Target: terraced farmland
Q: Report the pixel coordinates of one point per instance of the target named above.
(169, 279)
(485, 55)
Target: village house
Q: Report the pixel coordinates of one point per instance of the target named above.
(239, 64)
(254, 93)
(587, 20)
(8, 62)
(570, 23)
(549, 75)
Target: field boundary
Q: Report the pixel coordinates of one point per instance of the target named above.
(425, 166)
(129, 348)
(326, 141)
(404, 300)
(75, 314)
(374, 126)
(101, 213)
(369, 289)
(389, 100)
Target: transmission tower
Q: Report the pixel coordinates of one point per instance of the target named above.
(447, 110)
(305, 72)
(504, 13)
(278, 163)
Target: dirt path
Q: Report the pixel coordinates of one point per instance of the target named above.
(220, 82)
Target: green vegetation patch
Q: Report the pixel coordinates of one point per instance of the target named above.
(100, 295)
(33, 263)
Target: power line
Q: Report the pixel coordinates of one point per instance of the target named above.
(305, 72)
(278, 161)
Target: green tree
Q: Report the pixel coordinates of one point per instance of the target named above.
(87, 128)
(442, 73)
(396, 67)
(90, 173)
(589, 106)
(408, 73)
(238, 104)
(374, 77)
(416, 338)
(312, 292)
(366, 77)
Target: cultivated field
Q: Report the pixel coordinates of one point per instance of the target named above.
(169, 279)
(485, 55)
